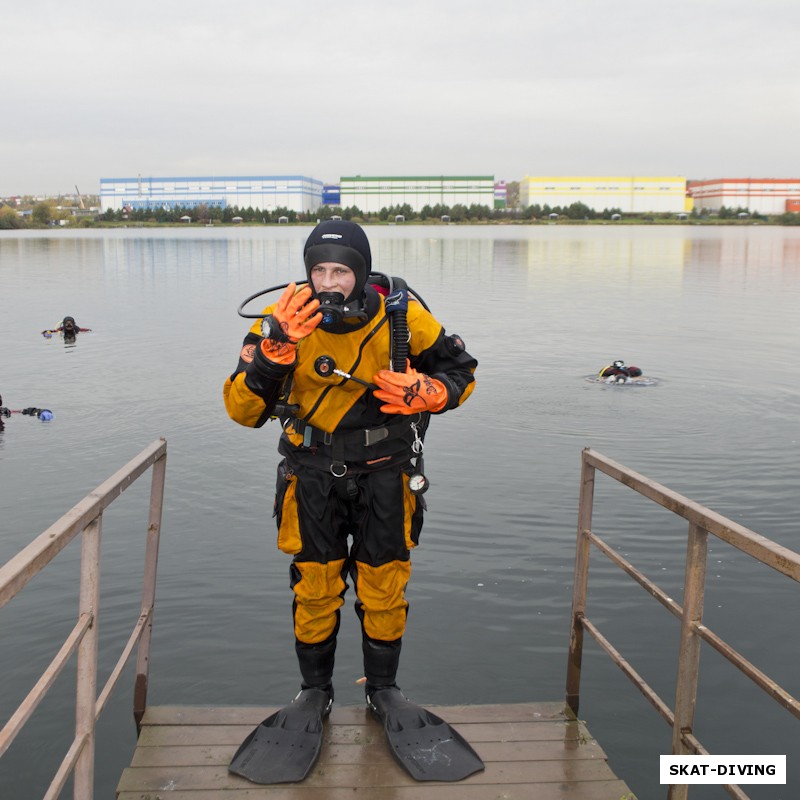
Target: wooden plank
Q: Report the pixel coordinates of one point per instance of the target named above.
(252, 715)
(388, 775)
(164, 735)
(601, 790)
(530, 750)
(374, 752)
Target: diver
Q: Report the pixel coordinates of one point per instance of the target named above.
(351, 467)
(617, 372)
(44, 414)
(69, 328)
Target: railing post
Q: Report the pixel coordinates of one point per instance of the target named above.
(579, 585)
(86, 693)
(689, 647)
(149, 588)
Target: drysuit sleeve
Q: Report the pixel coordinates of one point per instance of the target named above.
(443, 356)
(251, 392)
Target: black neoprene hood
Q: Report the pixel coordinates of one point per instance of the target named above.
(343, 242)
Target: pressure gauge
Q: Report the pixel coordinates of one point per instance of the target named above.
(418, 483)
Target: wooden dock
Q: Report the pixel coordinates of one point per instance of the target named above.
(532, 751)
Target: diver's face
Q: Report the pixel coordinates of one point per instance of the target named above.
(330, 276)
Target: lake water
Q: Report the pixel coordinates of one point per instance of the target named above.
(712, 313)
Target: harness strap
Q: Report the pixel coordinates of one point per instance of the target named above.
(365, 437)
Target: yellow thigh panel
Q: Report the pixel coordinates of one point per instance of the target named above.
(381, 592)
(318, 598)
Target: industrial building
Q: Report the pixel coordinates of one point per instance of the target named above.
(371, 194)
(757, 195)
(630, 195)
(266, 193)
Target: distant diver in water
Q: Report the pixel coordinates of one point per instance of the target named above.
(68, 327)
(617, 372)
(44, 414)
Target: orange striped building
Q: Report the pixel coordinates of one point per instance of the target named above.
(761, 195)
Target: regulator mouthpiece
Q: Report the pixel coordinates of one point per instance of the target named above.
(332, 306)
(334, 309)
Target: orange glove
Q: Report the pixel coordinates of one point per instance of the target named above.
(409, 392)
(278, 352)
(295, 313)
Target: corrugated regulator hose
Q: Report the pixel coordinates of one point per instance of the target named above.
(396, 305)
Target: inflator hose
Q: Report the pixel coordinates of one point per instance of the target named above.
(399, 342)
(400, 335)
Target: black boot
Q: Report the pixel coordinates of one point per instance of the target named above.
(317, 698)
(381, 660)
(316, 664)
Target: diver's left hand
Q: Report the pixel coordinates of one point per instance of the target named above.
(409, 392)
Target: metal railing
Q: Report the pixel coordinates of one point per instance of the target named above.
(86, 519)
(702, 522)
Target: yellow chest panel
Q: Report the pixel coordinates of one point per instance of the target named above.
(360, 353)
(324, 400)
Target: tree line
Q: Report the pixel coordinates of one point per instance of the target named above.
(438, 212)
(46, 213)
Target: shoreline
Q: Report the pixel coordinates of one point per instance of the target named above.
(99, 224)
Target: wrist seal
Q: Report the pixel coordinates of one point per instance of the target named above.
(453, 394)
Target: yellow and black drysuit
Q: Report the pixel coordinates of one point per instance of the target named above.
(345, 472)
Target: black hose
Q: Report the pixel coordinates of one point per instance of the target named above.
(400, 335)
(399, 342)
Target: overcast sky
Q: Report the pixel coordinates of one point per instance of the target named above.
(697, 88)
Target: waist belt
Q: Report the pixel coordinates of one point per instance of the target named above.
(366, 437)
(347, 445)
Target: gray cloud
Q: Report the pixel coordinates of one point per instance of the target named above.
(700, 88)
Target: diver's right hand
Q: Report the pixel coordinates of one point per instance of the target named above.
(296, 314)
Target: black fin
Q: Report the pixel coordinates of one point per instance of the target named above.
(286, 745)
(424, 744)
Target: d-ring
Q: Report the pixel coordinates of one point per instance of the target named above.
(336, 474)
